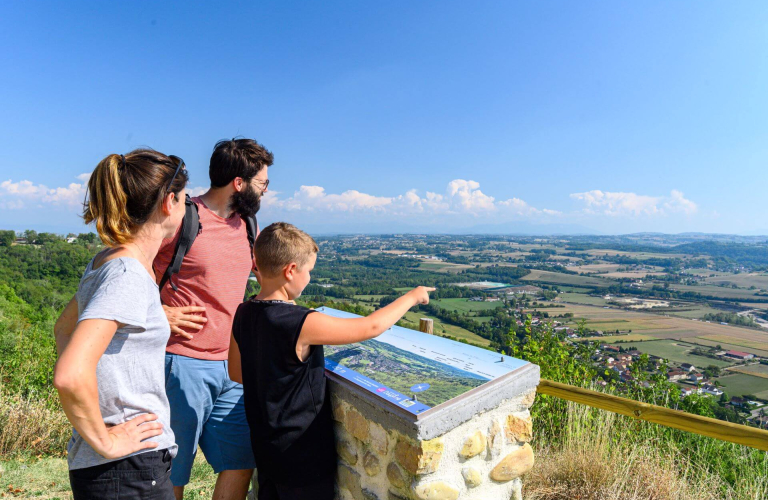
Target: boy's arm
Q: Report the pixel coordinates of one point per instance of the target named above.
(235, 370)
(321, 329)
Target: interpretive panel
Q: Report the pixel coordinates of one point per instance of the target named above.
(414, 370)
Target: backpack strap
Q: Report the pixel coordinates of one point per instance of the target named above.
(251, 226)
(190, 228)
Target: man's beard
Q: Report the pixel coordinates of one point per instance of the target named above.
(246, 202)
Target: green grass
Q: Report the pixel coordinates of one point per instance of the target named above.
(465, 305)
(48, 478)
(740, 384)
(677, 351)
(440, 328)
(367, 298)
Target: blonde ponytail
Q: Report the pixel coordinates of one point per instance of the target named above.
(107, 204)
(124, 191)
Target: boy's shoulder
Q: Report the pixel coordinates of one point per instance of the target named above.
(272, 309)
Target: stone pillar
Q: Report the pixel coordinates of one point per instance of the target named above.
(473, 447)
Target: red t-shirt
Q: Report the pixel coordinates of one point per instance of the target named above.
(214, 274)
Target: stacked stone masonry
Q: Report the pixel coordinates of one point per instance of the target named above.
(480, 459)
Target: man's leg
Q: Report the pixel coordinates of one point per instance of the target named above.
(232, 484)
(189, 390)
(226, 441)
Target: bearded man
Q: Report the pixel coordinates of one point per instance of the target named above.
(206, 406)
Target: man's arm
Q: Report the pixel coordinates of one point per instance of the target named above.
(321, 329)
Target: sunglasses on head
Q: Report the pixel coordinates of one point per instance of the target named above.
(180, 166)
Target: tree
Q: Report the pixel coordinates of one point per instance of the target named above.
(30, 235)
(87, 237)
(7, 238)
(724, 398)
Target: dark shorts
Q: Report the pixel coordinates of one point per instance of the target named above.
(143, 476)
(321, 490)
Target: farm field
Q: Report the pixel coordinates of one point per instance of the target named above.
(636, 255)
(678, 352)
(744, 280)
(411, 318)
(740, 384)
(631, 337)
(755, 341)
(442, 267)
(465, 305)
(729, 346)
(596, 268)
(756, 370)
(669, 327)
(580, 298)
(368, 298)
(632, 274)
(717, 291)
(703, 272)
(692, 310)
(565, 279)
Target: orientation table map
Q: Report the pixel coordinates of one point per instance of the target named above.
(413, 370)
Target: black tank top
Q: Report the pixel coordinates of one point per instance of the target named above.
(285, 399)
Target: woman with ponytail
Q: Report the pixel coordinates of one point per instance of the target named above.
(111, 337)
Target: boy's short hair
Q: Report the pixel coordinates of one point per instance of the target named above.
(279, 244)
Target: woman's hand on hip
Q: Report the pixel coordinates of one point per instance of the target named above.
(128, 437)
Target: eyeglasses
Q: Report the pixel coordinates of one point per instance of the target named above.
(266, 183)
(180, 166)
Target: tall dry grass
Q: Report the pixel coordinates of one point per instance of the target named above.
(32, 426)
(598, 459)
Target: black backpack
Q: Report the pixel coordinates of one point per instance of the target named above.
(190, 228)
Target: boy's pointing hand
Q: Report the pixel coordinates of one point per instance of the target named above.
(421, 294)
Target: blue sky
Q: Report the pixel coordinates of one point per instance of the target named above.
(600, 117)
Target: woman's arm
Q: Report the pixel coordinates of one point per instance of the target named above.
(75, 378)
(65, 325)
(321, 329)
(233, 361)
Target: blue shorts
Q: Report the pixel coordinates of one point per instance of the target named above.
(207, 410)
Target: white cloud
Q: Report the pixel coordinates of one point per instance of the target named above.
(461, 198)
(312, 198)
(196, 191)
(466, 196)
(632, 204)
(11, 205)
(16, 192)
(678, 203)
(22, 188)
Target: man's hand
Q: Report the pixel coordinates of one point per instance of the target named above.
(185, 317)
(421, 294)
(129, 436)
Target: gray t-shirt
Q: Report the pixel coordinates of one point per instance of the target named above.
(131, 373)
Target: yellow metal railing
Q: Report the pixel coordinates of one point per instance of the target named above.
(710, 427)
